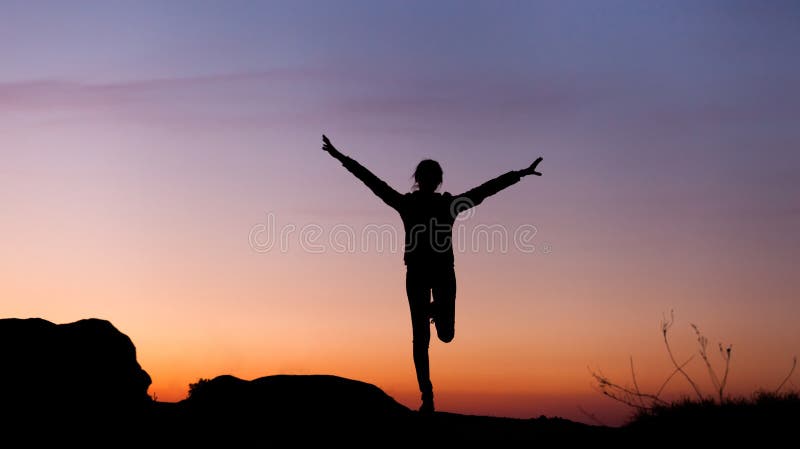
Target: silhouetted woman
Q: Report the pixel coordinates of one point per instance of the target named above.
(428, 221)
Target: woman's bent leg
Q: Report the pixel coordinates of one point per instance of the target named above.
(444, 303)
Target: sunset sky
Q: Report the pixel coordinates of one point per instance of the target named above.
(143, 145)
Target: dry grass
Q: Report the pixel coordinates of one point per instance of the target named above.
(652, 403)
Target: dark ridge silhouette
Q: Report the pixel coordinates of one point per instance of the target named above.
(303, 409)
(81, 382)
(292, 396)
(311, 408)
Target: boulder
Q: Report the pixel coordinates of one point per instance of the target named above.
(86, 370)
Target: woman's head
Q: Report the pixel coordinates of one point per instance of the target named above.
(428, 176)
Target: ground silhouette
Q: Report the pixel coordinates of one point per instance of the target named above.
(82, 380)
(80, 383)
(341, 410)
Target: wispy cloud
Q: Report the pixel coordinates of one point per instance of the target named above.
(46, 93)
(261, 98)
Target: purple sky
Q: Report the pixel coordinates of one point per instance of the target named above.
(163, 131)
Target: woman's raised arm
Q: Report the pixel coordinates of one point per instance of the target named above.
(389, 195)
(475, 196)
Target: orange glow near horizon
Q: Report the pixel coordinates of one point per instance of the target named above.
(198, 302)
(523, 346)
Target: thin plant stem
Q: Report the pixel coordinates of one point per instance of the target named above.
(665, 325)
(788, 376)
(636, 384)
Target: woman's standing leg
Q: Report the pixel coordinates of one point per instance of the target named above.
(419, 298)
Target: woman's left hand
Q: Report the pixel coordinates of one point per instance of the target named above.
(532, 169)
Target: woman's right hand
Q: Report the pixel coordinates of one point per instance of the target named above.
(328, 146)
